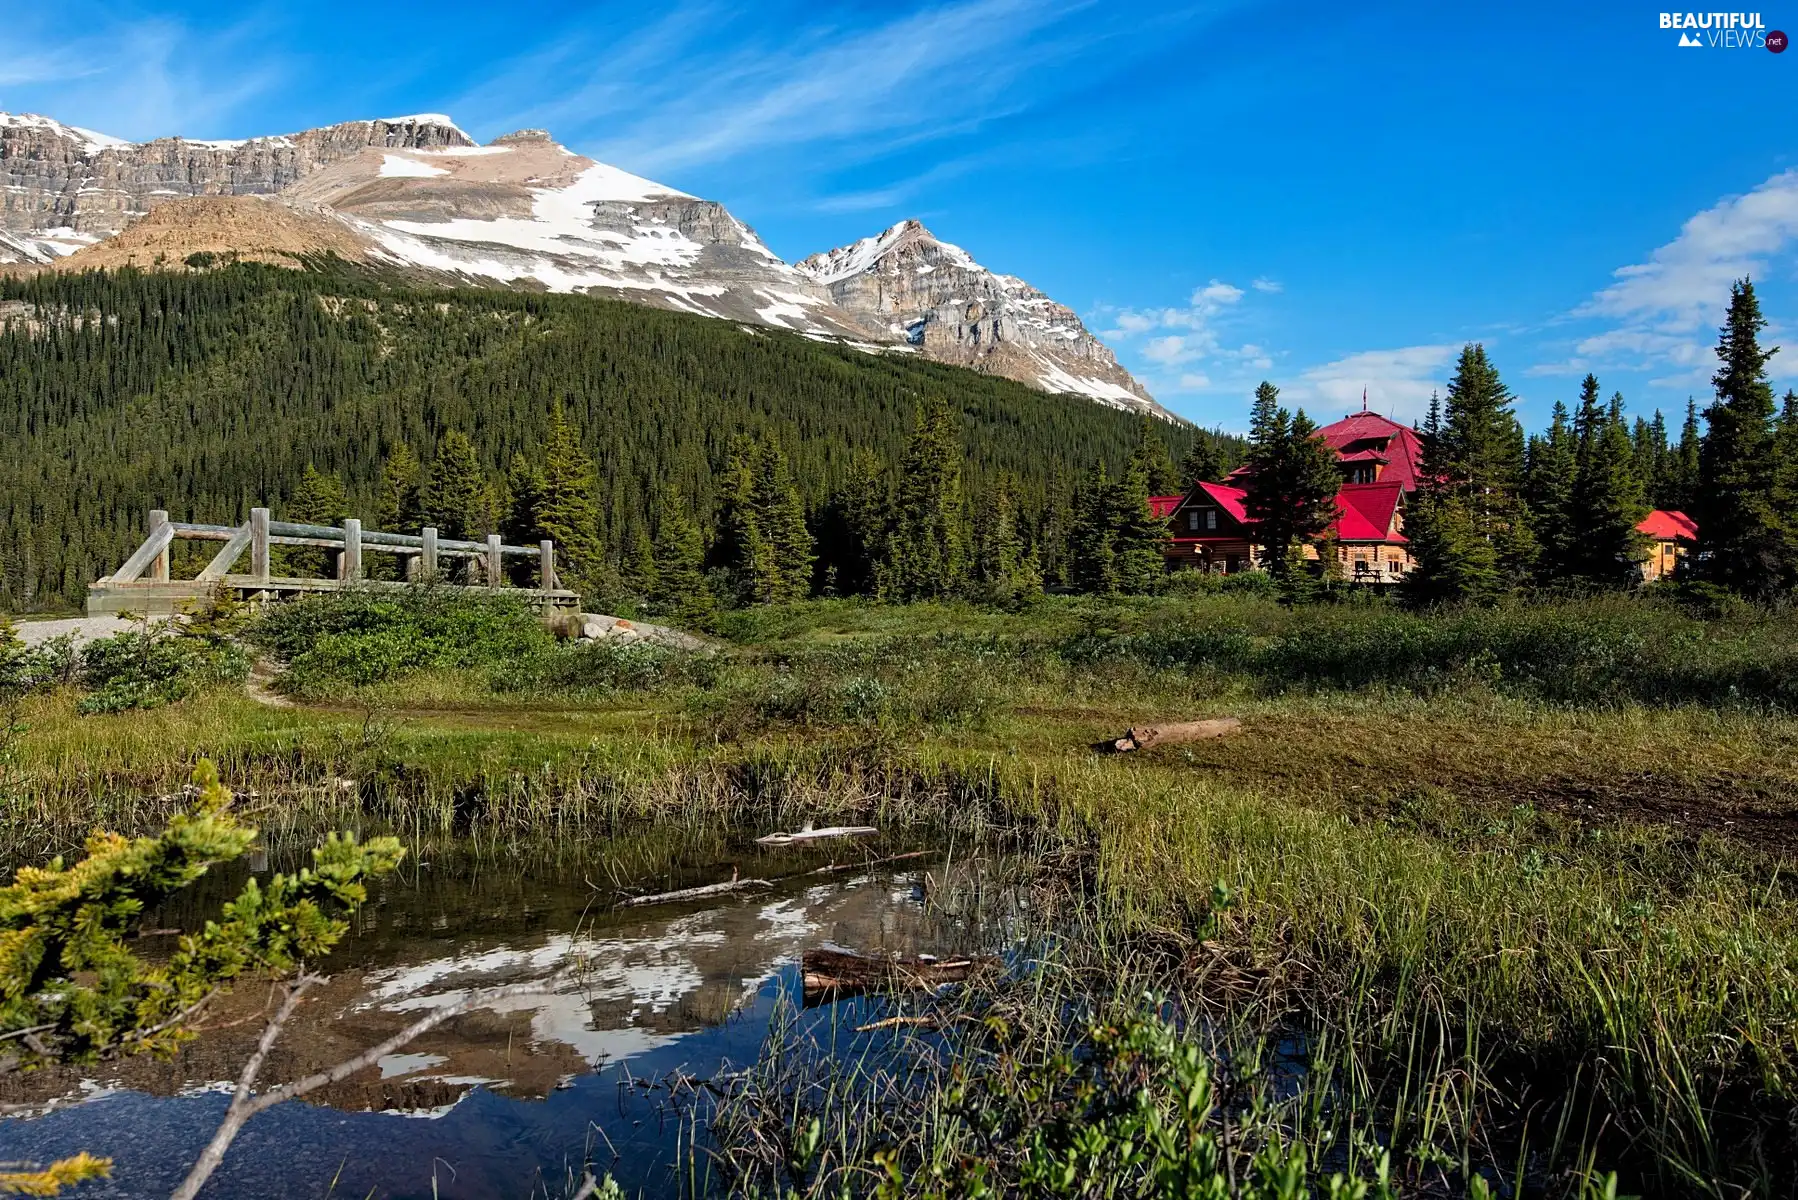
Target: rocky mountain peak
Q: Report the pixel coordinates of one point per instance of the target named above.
(907, 282)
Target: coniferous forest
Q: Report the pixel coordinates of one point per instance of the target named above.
(207, 393)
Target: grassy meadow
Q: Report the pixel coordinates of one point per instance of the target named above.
(1506, 889)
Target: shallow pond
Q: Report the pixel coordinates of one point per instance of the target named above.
(608, 1066)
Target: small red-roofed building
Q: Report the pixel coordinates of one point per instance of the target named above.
(1670, 535)
(1209, 529)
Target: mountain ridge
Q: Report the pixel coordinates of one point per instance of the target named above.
(418, 194)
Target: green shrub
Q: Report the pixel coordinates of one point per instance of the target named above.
(607, 666)
(365, 637)
(157, 665)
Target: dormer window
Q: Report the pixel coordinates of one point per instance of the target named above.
(1362, 473)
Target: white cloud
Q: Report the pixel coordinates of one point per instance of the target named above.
(1267, 285)
(1662, 312)
(1398, 382)
(1194, 381)
(137, 79)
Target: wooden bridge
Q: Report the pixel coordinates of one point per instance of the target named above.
(143, 584)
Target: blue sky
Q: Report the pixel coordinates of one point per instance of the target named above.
(1330, 196)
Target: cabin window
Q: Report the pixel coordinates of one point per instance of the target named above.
(1192, 521)
(1362, 473)
(1211, 518)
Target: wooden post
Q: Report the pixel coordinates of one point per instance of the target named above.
(352, 549)
(493, 575)
(546, 564)
(159, 569)
(428, 560)
(259, 543)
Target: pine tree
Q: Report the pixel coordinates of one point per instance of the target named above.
(319, 500)
(566, 510)
(1292, 482)
(639, 573)
(1202, 464)
(454, 495)
(1605, 549)
(1678, 487)
(1091, 546)
(1151, 457)
(1741, 543)
(524, 483)
(1005, 571)
(1137, 536)
(786, 574)
(679, 586)
(1553, 466)
(927, 551)
(397, 510)
(863, 506)
(1470, 507)
(1648, 444)
(1785, 477)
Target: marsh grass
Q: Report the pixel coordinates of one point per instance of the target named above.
(1511, 886)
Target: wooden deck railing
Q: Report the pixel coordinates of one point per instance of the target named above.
(143, 580)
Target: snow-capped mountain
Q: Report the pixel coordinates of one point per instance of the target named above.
(418, 194)
(934, 295)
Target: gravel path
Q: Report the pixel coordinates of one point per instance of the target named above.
(85, 629)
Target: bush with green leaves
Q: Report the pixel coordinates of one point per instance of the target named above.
(360, 637)
(74, 990)
(156, 665)
(608, 667)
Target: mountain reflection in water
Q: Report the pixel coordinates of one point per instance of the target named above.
(516, 1094)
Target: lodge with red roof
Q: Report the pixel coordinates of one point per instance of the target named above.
(1209, 528)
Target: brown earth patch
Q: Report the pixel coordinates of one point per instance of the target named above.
(250, 227)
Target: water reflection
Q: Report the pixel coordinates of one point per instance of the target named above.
(515, 1094)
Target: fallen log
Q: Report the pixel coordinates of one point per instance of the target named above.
(1143, 737)
(808, 834)
(698, 893)
(835, 868)
(830, 975)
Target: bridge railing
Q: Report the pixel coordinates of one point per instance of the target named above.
(425, 555)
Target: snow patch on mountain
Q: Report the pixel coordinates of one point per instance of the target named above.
(395, 166)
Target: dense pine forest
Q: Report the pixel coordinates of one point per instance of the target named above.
(206, 393)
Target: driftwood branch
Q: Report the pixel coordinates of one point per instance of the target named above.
(245, 1103)
(1143, 737)
(698, 893)
(816, 835)
(830, 975)
(836, 868)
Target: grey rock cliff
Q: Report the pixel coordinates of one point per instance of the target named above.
(907, 283)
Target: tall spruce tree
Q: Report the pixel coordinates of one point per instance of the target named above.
(397, 509)
(567, 512)
(1202, 464)
(319, 500)
(1648, 443)
(927, 556)
(454, 495)
(1137, 535)
(1469, 525)
(1006, 572)
(1553, 467)
(780, 517)
(1677, 489)
(1091, 546)
(1605, 550)
(853, 533)
(524, 484)
(1292, 481)
(679, 586)
(1741, 540)
(1151, 457)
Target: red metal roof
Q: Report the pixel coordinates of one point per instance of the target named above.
(1664, 525)
(1164, 506)
(1365, 512)
(1229, 499)
(1361, 435)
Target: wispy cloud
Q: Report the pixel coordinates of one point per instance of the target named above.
(1398, 382)
(709, 83)
(1661, 312)
(139, 79)
(1268, 285)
